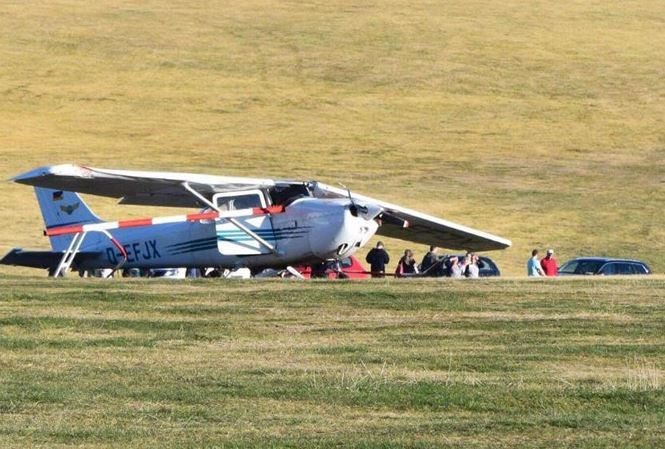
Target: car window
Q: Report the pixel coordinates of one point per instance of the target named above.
(486, 265)
(638, 268)
(568, 267)
(581, 267)
(624, 268)
(610, 268)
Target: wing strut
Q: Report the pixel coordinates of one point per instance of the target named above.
(69, 255)
(235, 222)
(75, 246)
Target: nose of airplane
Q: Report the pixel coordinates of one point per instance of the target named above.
(345, 231)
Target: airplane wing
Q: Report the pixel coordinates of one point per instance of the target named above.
(166, 189)
(137, 187)
(407, 224)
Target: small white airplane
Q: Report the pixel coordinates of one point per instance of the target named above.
(241, 222)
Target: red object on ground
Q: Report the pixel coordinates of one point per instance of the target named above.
(351, 268)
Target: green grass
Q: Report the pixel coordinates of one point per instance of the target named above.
(539, 121)
(377, 364)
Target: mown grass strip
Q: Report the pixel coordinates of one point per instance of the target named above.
(281, 364)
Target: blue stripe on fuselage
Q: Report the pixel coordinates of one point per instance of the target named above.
(208, 243)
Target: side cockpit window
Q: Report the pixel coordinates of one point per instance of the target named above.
(239, 200)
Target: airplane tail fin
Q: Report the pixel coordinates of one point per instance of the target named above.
(62, 208)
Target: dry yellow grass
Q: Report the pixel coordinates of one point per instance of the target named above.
(541, 122)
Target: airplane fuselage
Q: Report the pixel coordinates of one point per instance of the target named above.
(309, 230)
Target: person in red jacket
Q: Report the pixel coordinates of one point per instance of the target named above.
(548, 264)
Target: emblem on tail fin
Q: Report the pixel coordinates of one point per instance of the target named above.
(70, 208)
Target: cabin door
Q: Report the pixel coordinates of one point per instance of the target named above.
(233, 241)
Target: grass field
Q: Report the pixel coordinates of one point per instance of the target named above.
(539, 121)
(559, 363)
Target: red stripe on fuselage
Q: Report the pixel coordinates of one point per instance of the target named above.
(268, 210)
(120, 247)
(211, 215)
(65, 230)
(202, 216)
(135, 222)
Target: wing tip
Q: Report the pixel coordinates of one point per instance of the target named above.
(499, 244)
(30, 177)
(26, 177)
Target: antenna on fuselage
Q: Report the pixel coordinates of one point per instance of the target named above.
(354, 208)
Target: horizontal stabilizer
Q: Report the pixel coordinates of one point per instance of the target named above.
(42, 259)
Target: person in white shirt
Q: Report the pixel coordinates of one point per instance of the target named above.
(472, 269)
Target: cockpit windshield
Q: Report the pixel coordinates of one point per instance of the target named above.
(283, 195)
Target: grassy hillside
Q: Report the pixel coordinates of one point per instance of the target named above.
(564, 363)
(539, 121)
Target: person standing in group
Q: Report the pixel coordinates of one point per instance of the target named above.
(378, 258)
(455, 267)
(472, 268)
(430, 259)
(533, 267)
(407, 264)
(548, 264)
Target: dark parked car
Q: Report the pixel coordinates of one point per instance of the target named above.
(487, 267)
(603, 266)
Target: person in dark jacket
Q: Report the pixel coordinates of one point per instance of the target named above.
(407, 265)
(377, 258)
(430, 259)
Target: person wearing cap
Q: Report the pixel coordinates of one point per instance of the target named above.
(549, 265)
(533, 267)
(377, 258)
